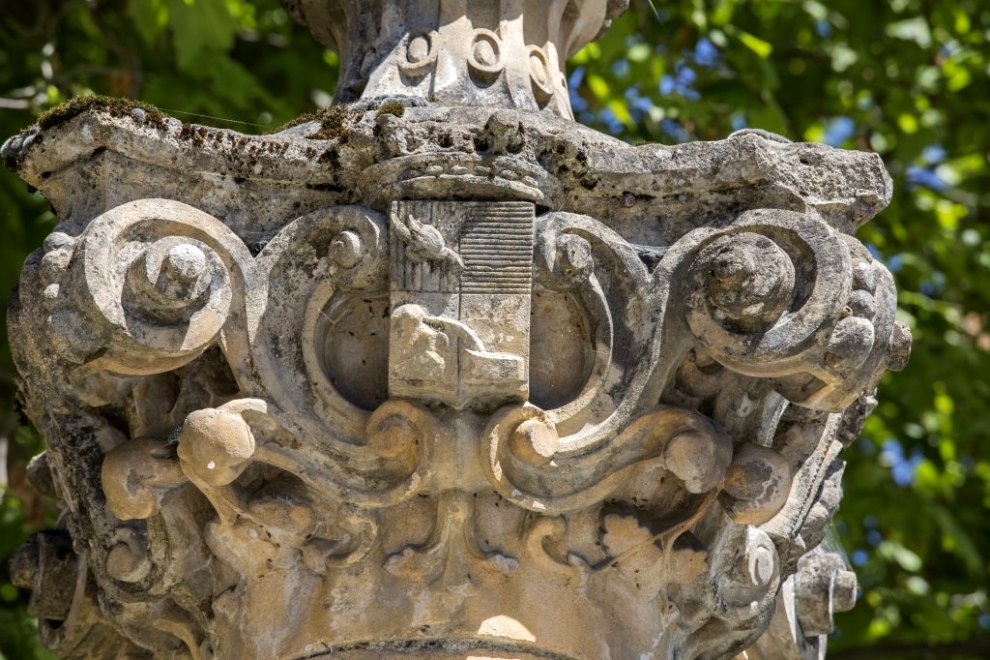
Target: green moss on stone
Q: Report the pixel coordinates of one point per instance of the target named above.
(391, 108)
(115, 106)
(332, 122)
(298, 121)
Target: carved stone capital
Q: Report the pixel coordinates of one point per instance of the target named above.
(455, 381)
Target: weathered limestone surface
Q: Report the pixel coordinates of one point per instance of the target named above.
(439, 372)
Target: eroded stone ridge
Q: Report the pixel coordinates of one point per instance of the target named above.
(442, 381)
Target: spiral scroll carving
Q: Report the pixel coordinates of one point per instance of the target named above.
(745, 307)
(784, 296)
(146, 288)
(315, 265)
(527, 465)
(581, 256)
(736, 592)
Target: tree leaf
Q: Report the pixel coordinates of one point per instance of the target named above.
(200, 26)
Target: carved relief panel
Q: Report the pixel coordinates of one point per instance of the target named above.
(461, 283)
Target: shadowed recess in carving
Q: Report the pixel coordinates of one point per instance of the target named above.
(355, 348)
(561, 353)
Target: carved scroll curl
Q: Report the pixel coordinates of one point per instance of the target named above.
(784, 296)
(730, 604)
(580, 255)
(526, 465)
(147, 287)
(312, 265)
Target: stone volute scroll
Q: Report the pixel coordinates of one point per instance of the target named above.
(439, 372)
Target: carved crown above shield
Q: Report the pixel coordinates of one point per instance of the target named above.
(447, 380)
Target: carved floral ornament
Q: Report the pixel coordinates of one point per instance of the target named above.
(450, 382)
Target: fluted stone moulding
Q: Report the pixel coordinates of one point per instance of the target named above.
(439, 372)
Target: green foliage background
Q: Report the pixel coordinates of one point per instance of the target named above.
(909, 79)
